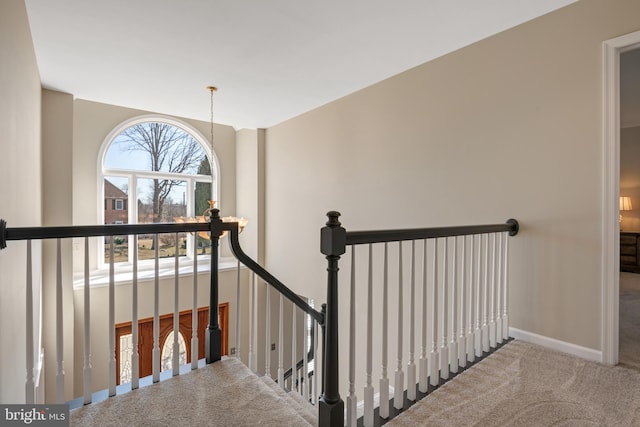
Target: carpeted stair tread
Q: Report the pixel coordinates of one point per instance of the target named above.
(307, 413)
(306, 405)
(225, 393)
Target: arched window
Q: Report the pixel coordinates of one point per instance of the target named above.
(155, 169)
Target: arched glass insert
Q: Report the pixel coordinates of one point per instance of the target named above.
(166, 360)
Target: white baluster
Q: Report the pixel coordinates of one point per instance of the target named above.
(478, 297)
(498, 313)
(29, 389)
(384, 380)
(411, 367)
(176, 315)
(453, 347)
(398, 395)
(444, 354)
(135, 357)
(238, 340)
(294, 345)
(434, 363)
(423, 363)
(156, 313)
(492, 294)
(281, 344)
(485, 298)
(112, 323)
(462, 343)
(59, 328)
(352, 400)
(316, 364)
(305, 357)
(470, 336)
(252, 325)
(368, 389)
(267, 356)
(194, 307)
(86, 370)
(505, 300)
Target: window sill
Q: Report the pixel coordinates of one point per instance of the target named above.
(124, 275)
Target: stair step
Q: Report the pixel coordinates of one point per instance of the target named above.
(305, 409)
(224, 393)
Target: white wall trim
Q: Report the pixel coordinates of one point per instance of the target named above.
(610, 279)
(554, 344)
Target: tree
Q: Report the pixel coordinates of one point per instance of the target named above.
(202, 197)
(203, 189)
(169, 149)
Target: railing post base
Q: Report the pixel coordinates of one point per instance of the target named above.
(330, 414)
(213, 345)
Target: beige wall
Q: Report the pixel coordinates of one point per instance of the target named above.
(250, 189)
(630, 176)
(507, 127)
(20, 188)
(57, 203)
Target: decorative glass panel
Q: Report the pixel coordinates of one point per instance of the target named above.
(126, 351)
(167, 352)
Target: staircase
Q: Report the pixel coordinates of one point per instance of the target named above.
(226, 393)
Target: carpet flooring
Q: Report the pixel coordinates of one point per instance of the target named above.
(523, 384)
(225, 393)
(520, 384)
(629, 350)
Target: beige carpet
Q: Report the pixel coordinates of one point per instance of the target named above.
(526, 385)
(225, 393)
(629, 354)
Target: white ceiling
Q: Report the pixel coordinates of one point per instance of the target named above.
(272, 60)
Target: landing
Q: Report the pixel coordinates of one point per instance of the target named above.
(225, 393)
(523, 384)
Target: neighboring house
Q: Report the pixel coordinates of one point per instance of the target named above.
(510, 126)
(115, 204)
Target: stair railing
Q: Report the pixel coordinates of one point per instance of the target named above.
(213, 336)
(451, 296)
(462, 302)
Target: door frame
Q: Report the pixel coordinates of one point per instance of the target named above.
(611, 50)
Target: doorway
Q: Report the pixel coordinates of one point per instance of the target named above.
(629, 295)
(612, 49)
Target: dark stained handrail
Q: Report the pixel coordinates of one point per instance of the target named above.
(24, 233)
(59, 232)
(381, 236)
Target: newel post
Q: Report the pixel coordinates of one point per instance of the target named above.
(213, 335)
(3, 234)
(332, 245)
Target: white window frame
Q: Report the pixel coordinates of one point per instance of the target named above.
(121, 203)
(133, 176)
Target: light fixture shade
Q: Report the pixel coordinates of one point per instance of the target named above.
(625, 203)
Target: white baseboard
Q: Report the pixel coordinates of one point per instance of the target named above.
(554, 344)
